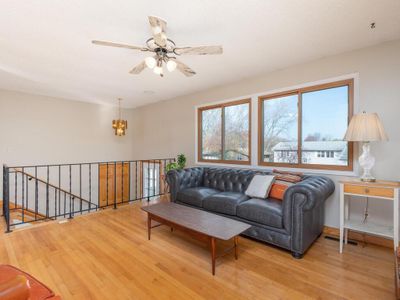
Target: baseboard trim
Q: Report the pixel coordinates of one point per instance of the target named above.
(360, 237)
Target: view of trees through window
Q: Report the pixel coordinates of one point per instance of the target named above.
(236, 138)
(280, 128)
(225, 132)
(211, 134)
(323, 115)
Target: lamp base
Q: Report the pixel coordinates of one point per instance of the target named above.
(371, 179)
(367, 161)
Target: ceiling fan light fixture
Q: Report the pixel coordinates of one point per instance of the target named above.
(171, 65)
(150, 62)
(158, 70)
(156, 29)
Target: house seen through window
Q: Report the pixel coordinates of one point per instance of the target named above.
(305, 127)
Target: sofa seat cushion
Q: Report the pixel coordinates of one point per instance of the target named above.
(224, 203)
(195, 196)
(263, 211)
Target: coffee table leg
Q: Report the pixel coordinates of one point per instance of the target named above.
(236, 240)
(148, 226)
(213, 255)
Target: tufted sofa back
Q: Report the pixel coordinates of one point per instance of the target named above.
(228, 180)
(191, 177)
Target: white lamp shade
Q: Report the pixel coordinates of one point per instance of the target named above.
(150, 62)
(171, 65)
(158, 70)
(365, 127)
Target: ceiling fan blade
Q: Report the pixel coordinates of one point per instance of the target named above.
(158, 27)
(111, 44)
(201, 50)
(184, 68)
(138, 68)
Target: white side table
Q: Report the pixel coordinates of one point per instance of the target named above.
(379, 190)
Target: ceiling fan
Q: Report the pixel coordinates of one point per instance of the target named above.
(165, 51)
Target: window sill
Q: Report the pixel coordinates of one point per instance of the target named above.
(353, 173)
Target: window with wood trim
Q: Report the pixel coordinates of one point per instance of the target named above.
(224, 132)
(304, 128)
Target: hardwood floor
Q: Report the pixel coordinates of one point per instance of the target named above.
(106, 255)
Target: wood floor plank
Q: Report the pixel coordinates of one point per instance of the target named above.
(106, 255)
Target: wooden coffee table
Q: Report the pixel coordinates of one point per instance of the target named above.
(198, 223)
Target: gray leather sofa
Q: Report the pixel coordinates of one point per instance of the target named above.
(293, 223)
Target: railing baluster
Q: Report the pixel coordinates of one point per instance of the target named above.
(107, 186)
(129, 185)
(98, 185)
(6, 196)
(23, 197)
(136, 179)
(27, 194)
(65, 204)
(115, 185)
(15, 189)
(80, 188)
(122, 182)
(55, 204)
(70, 191)
(47, 193)
(90, 187)
(59, 189)
(36, 195)
(154, 178)
(148, 181)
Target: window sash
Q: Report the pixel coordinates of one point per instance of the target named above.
(200, 132)
(299, 93)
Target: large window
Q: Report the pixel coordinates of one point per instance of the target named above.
(224, 132)
(305, 127)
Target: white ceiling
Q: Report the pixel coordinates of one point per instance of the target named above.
(45, 45)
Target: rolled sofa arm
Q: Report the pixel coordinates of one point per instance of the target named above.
(304, 211)
(315, 189)
(183, 179)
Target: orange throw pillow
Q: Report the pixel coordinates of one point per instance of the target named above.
(278, 190)
(283, 180)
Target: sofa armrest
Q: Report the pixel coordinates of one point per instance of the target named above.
(16, 288)
(304, 211)
(183, 179)
(315, 189)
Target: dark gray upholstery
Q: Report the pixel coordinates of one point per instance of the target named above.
(195, 195)
(263, 211)
(224, 202)
(293, 223)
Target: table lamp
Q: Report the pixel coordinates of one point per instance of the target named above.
(366, 128)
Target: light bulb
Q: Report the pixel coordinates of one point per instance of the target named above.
(171, 65)
(158, 70)
(156, 29)
(150, 62)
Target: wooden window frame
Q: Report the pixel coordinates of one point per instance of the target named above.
(200, 132)
(299, 92)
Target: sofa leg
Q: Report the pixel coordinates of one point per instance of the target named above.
(297, 255)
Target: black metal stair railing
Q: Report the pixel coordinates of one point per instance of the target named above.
(50, 192)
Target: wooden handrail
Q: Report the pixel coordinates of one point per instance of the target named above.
(54, 186)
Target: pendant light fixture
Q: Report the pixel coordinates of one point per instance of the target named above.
(119, 125)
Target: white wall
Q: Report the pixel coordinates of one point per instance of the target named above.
(167, 128)
(45, 130)
(38, 129)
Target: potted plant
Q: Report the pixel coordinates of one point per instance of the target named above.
(178, 165)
